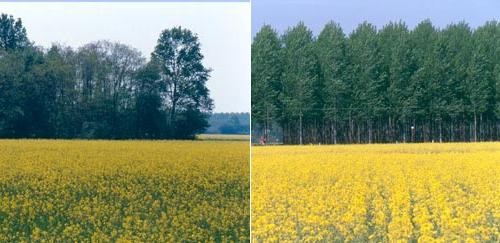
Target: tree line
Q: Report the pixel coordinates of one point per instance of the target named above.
(229, 123)
(386, 85)
(102, 89)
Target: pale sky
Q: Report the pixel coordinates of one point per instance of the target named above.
(224, 31)
(282, 14)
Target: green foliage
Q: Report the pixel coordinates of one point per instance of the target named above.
(103, 89)
(229, 123)
(12, 33)
(387, 85)
(184, 77)
(331, 50)
(302, 87)
(266, 77)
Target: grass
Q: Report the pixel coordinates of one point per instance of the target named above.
(223, 137)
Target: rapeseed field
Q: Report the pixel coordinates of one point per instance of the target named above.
(124, 191)
(376, 193)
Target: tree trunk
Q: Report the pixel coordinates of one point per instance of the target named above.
(451, 131)
(335, 134)
(440, 130)
(475, 126)
(413, 127)
(351, 128)
(480, 128)
(358, 134)
(369, 131)
(404, 130)
(266, 125)
(300, 128)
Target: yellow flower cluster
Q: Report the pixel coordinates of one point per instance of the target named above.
(121, 191)
(376, 193)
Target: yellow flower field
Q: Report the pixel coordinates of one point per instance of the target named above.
(139, 191)
(376, 193)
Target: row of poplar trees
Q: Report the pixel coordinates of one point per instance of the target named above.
(377, 85)
(102, 89)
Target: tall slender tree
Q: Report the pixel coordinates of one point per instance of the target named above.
(368, 86)
(266, 78)
(388, 85)
(302, 91)
(331, 50)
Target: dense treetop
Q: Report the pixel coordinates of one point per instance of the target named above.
(12, 33)
(392, 84)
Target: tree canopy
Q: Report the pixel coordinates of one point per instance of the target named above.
(377, 85)
(184, 78)
(102, 89)
(12, 33)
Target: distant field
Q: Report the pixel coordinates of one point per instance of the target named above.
(230, 137)
(124, 191)
(376, 193)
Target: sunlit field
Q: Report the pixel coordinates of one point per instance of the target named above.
(139, 191)
(399, 192)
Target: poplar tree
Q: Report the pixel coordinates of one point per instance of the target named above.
(389, 85)
(266, 79)
(302, 89)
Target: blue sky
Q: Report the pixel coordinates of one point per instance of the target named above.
(282, 14)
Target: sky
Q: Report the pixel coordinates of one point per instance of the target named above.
(224, 31)
(282, 14)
